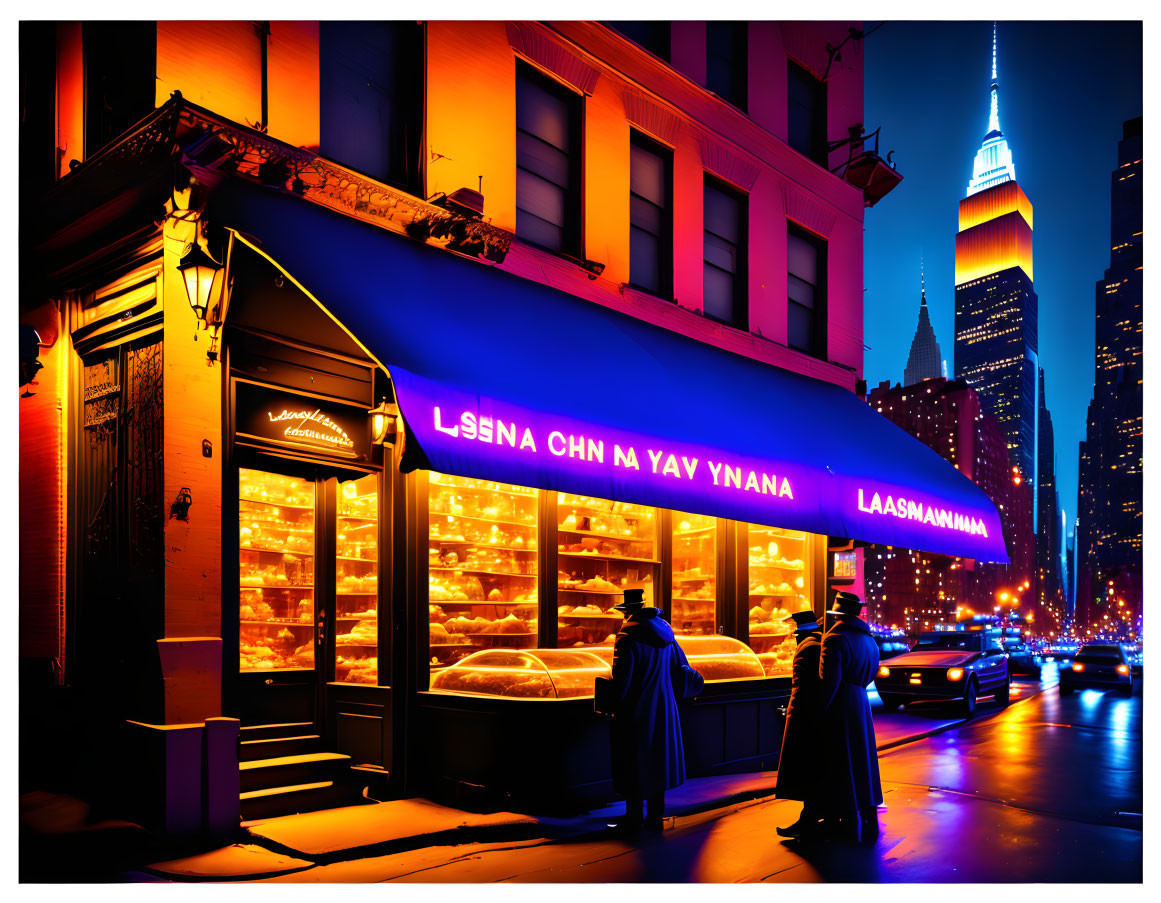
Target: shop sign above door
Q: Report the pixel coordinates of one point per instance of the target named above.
(301, 422)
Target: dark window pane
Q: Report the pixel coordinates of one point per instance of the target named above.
(721, 214)
(726, 61)
(543, 115)
(120, 83)
(644, 215)
(797, 290)
(369, 97)
(645, 260)
(543, 198)
(533, 229)
(652, 35)
(717, 293)
(802, 258)
(722, 254)
(807, 113)
(543, 159)
(647, 175)
(800, 327)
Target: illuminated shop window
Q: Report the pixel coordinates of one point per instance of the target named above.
(780, 583)
(693, 602)
(603, 549)
(357, 582)
(276, 617)
(481, 564)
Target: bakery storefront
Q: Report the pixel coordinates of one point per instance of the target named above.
(446, 477)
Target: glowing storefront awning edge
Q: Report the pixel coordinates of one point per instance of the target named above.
(504, 379)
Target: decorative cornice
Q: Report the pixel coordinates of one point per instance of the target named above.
(650, 117)
(725, 163)
(806, 211)
(530, 40)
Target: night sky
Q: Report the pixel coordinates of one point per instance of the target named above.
(1065, 89)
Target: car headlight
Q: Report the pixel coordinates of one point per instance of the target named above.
(1122, 669)
(955, 673)
(884, 671)
(1077, 666)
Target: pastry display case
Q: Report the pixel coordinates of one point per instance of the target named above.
(357, 581)
(721, 658)
(482, 542)
(780, 583)
(523, 674)
(276, 546)
(603, 549)
(693, 601)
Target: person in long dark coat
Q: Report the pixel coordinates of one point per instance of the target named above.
(646, 732)
(798, 777)
(850, 788)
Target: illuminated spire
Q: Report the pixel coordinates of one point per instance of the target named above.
(993, 163)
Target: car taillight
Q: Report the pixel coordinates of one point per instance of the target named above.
(955, 673)
(884, 671)
(1077, 666)
(1122, 669)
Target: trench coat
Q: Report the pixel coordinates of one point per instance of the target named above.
(650, 674)
(850, 779)
(798, 764)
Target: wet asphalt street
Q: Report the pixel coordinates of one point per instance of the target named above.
(1049, 789)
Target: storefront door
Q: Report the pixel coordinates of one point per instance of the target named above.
(308, 588)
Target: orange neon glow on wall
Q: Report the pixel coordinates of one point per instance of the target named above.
(993, 246)
(292, 75)
(994, 203)
(70, 95)
(215, 64)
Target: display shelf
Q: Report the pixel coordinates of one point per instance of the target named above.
(696, 531)
(705, 578)
(276, 551)
(600, 512)
(460, 603)
(485, 520)
(357, 592)
(691, 599)
(295, 586)
(754, 595)
(592, 592)
(482, 543)
(481, 571)
(362, 517)
(360, 560)
(597, 557)
(607, 616)
(601, 535)
(778, 567)
(442, 487)
(274, 622)
(374, 645)
(276, 504)
(356, 617)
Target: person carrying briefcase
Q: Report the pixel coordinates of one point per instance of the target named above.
(650, 674)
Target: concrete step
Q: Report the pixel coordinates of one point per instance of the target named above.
(276, 747)
(272, 731)
(283, 771)
(272, 802)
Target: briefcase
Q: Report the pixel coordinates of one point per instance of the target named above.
(603, 696)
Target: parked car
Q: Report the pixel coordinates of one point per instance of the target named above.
(956, 666)
(891, 646)
(1021, 658)
(1103, 666)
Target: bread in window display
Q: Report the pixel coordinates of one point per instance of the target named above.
(436, 615)
(509, 624)
(437, 633)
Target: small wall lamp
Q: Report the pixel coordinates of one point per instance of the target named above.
(201, 273)
(385, 422)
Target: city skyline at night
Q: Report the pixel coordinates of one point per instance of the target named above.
(1049, 72)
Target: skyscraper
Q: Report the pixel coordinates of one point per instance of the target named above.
(995, 303)
(1110, 490)
(923, 361)
(1048, 576)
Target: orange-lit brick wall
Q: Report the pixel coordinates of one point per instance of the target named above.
(215, 64)
(70, 95)
(292, 64)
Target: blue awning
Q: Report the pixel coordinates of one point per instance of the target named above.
(506, 379)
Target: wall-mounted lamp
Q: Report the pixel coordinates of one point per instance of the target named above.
(385, 423)
(200, 272)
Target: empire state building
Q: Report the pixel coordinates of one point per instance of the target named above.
(996, 309)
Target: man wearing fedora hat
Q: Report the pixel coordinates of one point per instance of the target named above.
(798, 763)
(850, 790)
(650, 673)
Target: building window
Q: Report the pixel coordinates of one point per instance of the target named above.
(370, 98)
(726, 61)
(724, 270)
(806, 131)
(652, 35)
(548, 127)
(805, 291)
(120, 78)
(650, 216)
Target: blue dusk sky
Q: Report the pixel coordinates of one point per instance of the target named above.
(1065, 89)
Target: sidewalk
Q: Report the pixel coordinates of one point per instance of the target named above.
(283, 846)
